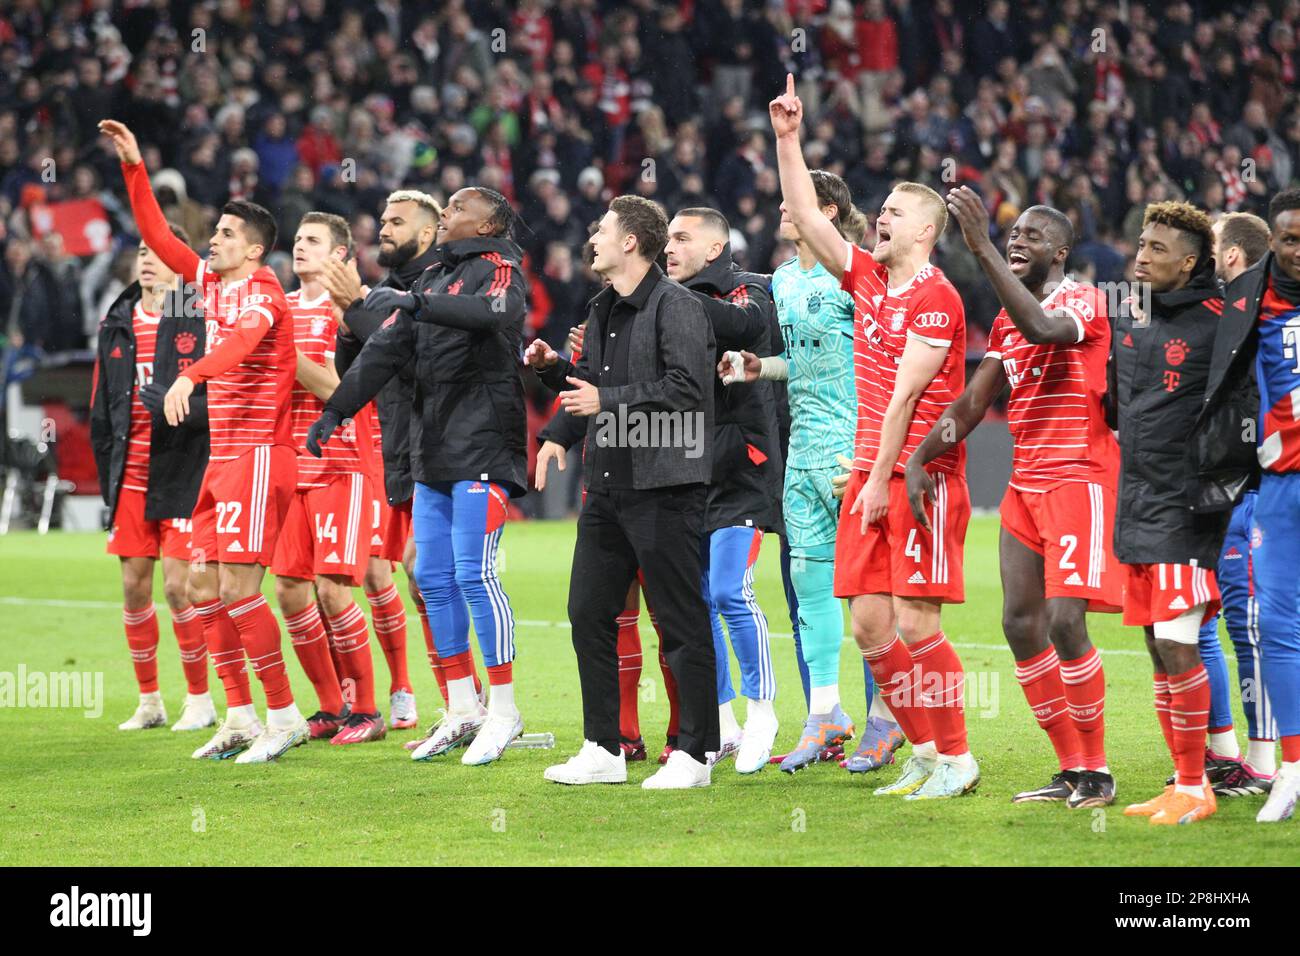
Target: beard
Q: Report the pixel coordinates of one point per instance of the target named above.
(399, 256)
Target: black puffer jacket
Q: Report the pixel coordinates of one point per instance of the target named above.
(1160, 368)
(177, 456)
(467, 339)
(394, 400)
(747, 460)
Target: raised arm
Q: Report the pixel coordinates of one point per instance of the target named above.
(149, 218)
(825, 241)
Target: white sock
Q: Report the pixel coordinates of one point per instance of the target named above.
(204, 698)
(761, 710)
(879, 708)
(1262, 756)
(1290, 767)
(1198, 792)
(727, 726)
(926, 751)
(822, 700)
(241, 716)
(153, 697)
(461, 698)
(502, 703)
(282, 718)
(962, 760)
(1225, 744)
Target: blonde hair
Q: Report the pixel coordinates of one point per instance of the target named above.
(421, 199)
(939, 209)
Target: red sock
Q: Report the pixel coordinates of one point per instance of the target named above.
(351, 640)
(499, 673)
(259, 632)
(311, 645)
(226, 650)
(1161, 685)
(1291, 748)
(142, 640)
(1040, 679)
(458, 666)
(194, 649)
(1085, 690)
(670, 682)
(898, 679)
(1189, 716)
(629, 675)
(388, 616)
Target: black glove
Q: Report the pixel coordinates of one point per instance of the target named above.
(321, 430)
(384, 299)
(151, 397)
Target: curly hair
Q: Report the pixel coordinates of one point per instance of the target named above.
(1194, 225)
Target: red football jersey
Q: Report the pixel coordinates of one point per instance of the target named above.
(248, 405)
(1055, 411)
(350, 448)
(927, 308)
(135, 473)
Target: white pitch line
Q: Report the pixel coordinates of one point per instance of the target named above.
(54, 602)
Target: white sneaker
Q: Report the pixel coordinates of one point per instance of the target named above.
(592, 764)
(681, 772)
(756, 745)
(492, 738)
(1282, 798)
(455, 730)
(401, 710)
(150, 713)
(729, 747)
(274, 742)
(230, 739)
(198, 712)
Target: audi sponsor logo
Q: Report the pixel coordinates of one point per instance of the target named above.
(931, 320)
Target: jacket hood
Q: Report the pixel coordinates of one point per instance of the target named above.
(410, 270)
(119, 313)
(458, 250)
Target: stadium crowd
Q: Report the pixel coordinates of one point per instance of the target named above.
(1098, 108)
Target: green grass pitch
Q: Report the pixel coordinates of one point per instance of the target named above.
(78, 791)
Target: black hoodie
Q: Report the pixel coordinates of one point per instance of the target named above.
(466, 337)
(1161, 366)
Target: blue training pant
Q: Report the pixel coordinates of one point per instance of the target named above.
(457, 531)
(727, 559)
(1275, 560)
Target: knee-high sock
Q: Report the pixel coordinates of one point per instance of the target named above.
(1040, 679)
(822, 615)
(142, 639)
(188, 629)
(943, 683)
(1085, 691)
(259, 632)
(227, 652)
(629, 674)
(1160, 684)
(733, 553)
(388, 616)
(1216, 670)
(898, 678)
(1189, 698)
(351, 639)
(311, 645)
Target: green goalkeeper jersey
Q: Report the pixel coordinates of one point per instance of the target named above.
(816, 318)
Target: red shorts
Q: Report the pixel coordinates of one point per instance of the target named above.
(134, 536)
(1070, 526)
(1162, 592)
(242, 504)
(325, 531)
(897, 556)
(391, 529)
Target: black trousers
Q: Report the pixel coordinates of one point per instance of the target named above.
(659, 532)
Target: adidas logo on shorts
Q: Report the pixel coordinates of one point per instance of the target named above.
(1178, 604)
(332, 558)
(376, 541)
(916, 578)
(1074, 580)
(235, 548)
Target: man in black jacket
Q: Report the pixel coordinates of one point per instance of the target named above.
(462, 321)
(643, 384)
(149, 476)
(1161, 361)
